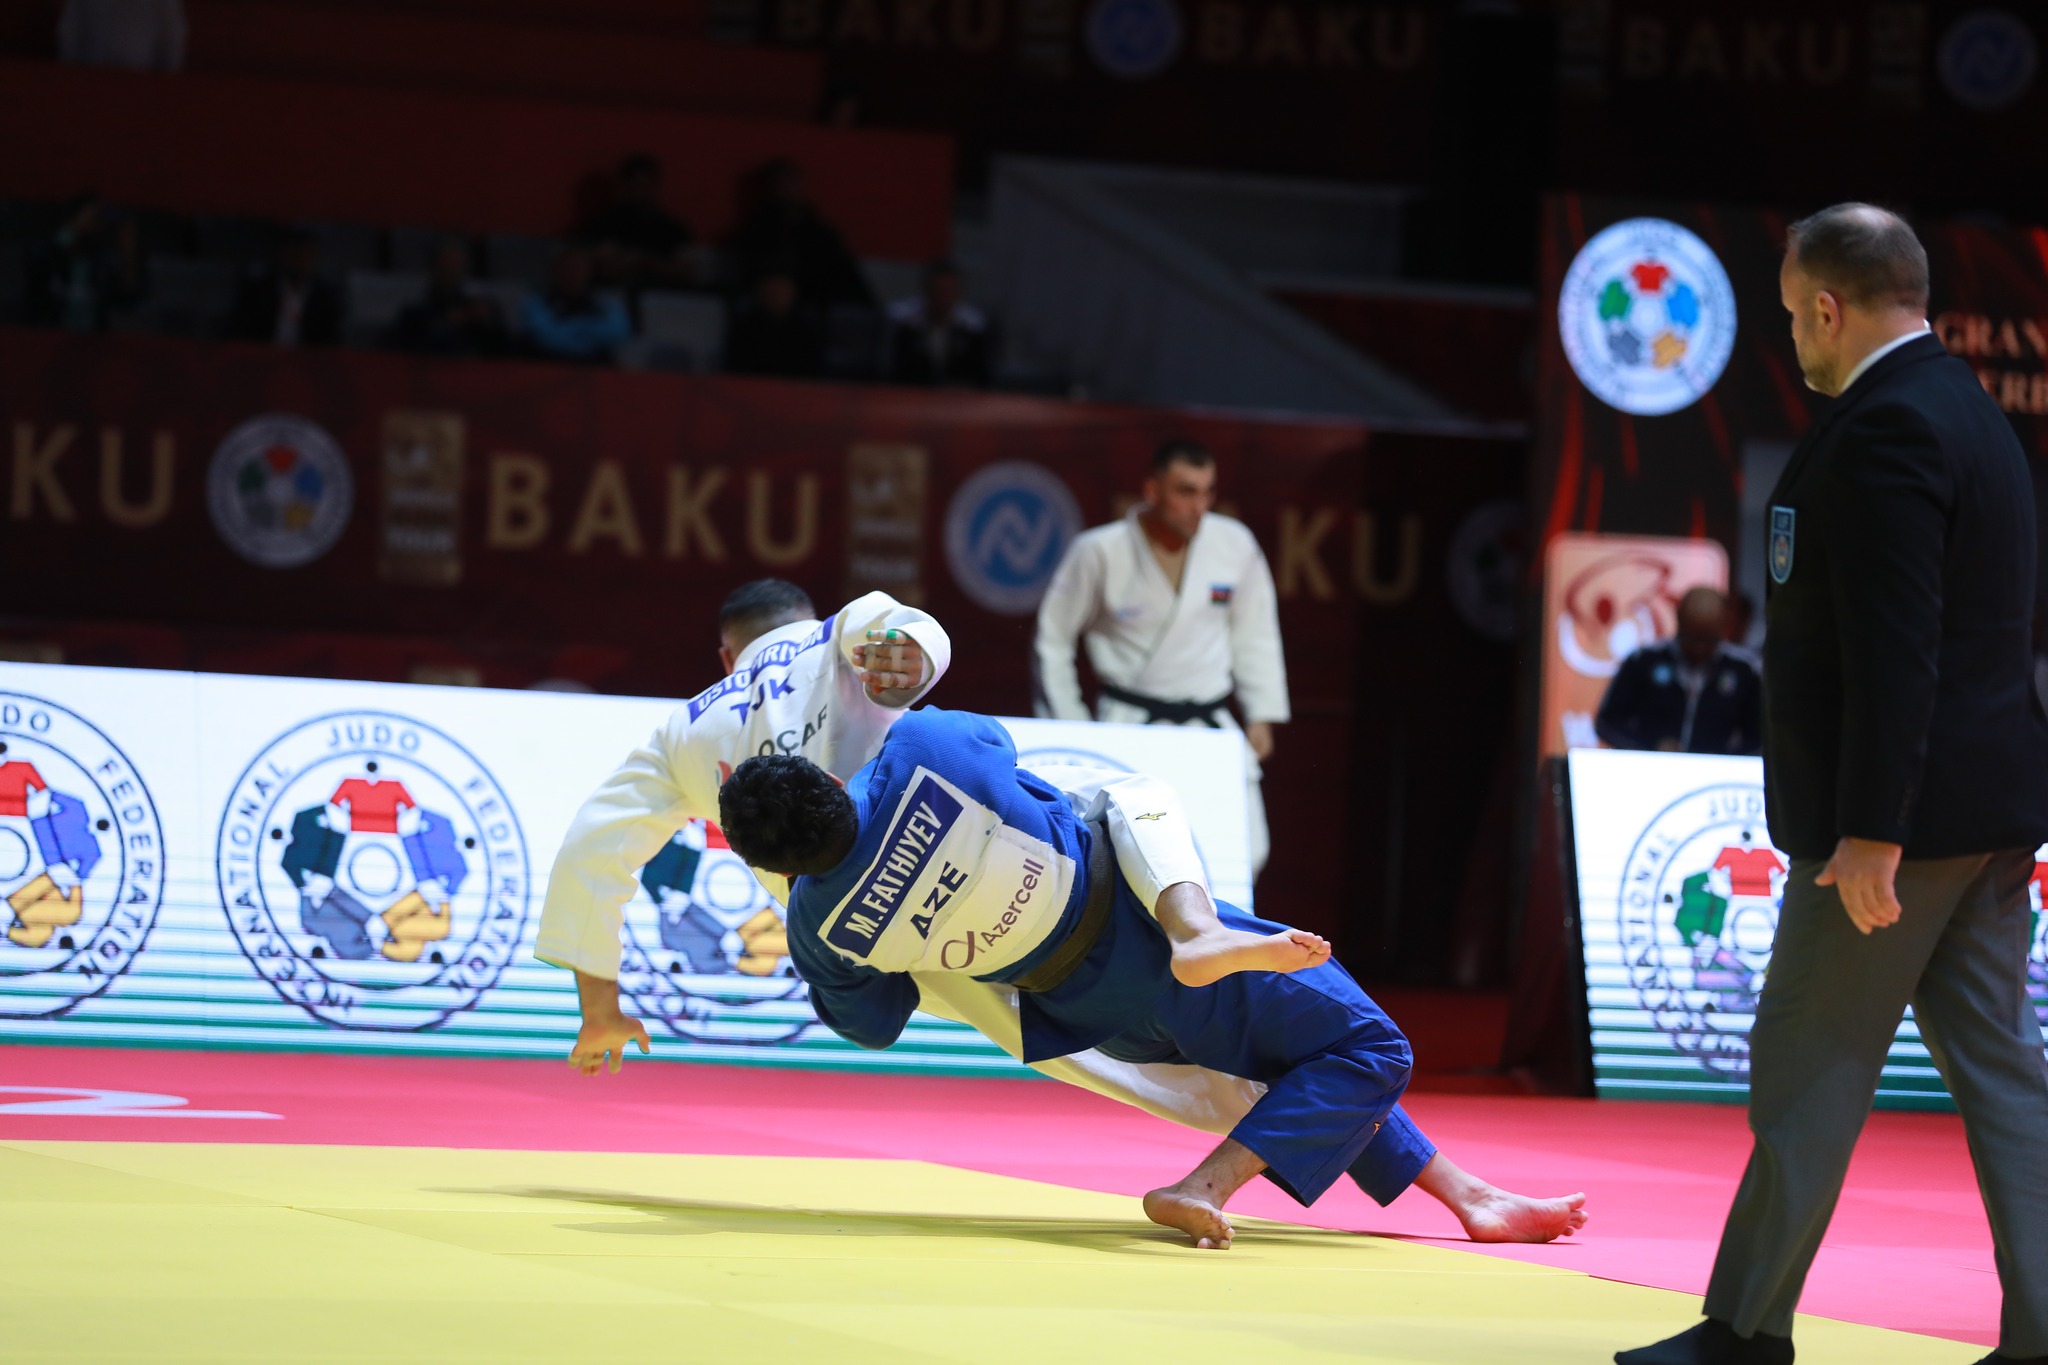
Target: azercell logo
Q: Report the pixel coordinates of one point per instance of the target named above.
(922, 823)
(974, 940)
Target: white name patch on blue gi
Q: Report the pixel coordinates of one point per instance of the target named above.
(924, 819)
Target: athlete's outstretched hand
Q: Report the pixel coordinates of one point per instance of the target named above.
(606, 1028)
(890, 661)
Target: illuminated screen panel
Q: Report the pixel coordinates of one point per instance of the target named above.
(285, 863)
(1679, 888)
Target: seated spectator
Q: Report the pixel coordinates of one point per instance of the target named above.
(138, 35)
(90, 266)
(289, 303)
(785, 231)
(937, 339)
(572, 321)
(1693, 694)
(638, 244)
(773, 333)
(450, 320)
(1741, 618)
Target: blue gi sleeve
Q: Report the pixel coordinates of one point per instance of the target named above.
(866, 1007)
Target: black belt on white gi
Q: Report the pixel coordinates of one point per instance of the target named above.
(1161, 712)
(1074, 950)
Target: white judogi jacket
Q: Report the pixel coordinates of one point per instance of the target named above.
(795, 690)
(1218, 635)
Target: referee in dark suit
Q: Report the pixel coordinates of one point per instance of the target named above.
(1906, 773)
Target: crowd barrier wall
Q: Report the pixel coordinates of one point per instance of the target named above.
(226, 506)
(282, 863)
(297, 150)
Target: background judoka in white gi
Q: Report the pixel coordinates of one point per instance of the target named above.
(797, 689)
(1185, 647)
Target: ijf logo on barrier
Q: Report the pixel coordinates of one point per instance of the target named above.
(1987, 59)
(1006, 531)
(1698, 911)
(279, 491)
(1134, 38)
(1647, 316)
(373, 871)
(706, 950)
(81, 858)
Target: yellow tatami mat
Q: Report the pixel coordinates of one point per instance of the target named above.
(218, 1252)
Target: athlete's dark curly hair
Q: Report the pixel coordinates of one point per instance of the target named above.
(785, 814)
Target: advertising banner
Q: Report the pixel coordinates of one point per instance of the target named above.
(1604, 597)
(280, 863)
(251, 509)
(1679, 890)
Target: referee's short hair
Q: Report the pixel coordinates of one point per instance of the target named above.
(1867, 255)
(1182, 450)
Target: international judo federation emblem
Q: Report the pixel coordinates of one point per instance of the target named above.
(1698, 911)
(81, 859)
(706, 950)
(1647, 316)
(373, 871)
(1784, 521)
(280, 491)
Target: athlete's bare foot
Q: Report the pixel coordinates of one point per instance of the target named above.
(1178, 1207)
(1217, 953)
(1491, 1214)
(1504, 1217)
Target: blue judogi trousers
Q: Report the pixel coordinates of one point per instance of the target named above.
(1334, 1065)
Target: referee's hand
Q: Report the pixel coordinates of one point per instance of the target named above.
(1862, 871)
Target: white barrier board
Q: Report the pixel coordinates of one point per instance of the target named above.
(170, 870)
(1679, 891)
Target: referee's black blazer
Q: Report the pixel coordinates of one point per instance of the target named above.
(1898, 665)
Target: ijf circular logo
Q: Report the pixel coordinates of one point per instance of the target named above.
(81, 858)
(1987, 59)
(1006, 531)
(279, 491)
(373, 871)
(706, 948)
(1134, 38)
(1647, 316)
(1698, 911)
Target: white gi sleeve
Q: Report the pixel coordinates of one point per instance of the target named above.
(1190, 1095)
(1148, 828)
(879, 611)
(615, 833)
(1258, 667)
(1069, 604)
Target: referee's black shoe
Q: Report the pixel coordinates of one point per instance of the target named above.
(1712, 1342)
(1996, 1359)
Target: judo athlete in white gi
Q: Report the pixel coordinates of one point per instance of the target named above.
(943, 857)
(1178, 610)
(829, 691)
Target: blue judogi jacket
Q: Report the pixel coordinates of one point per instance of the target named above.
(1115, 987)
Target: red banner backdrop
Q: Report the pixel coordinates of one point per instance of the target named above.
(183, 504)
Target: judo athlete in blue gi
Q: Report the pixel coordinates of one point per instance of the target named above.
(943, 856)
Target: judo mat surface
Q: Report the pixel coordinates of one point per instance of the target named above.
(173, 1206)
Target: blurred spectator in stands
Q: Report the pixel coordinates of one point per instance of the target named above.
(572, 320)
(1693, 694)
(773, 332)
(289, 303)
(140, 35)
(937, 338)
(637, 243)
(451, 320)
(90, 266)
(1741, 617)
(785, 230)
(841, 107)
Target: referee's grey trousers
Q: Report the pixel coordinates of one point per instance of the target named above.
(1830, 1006)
